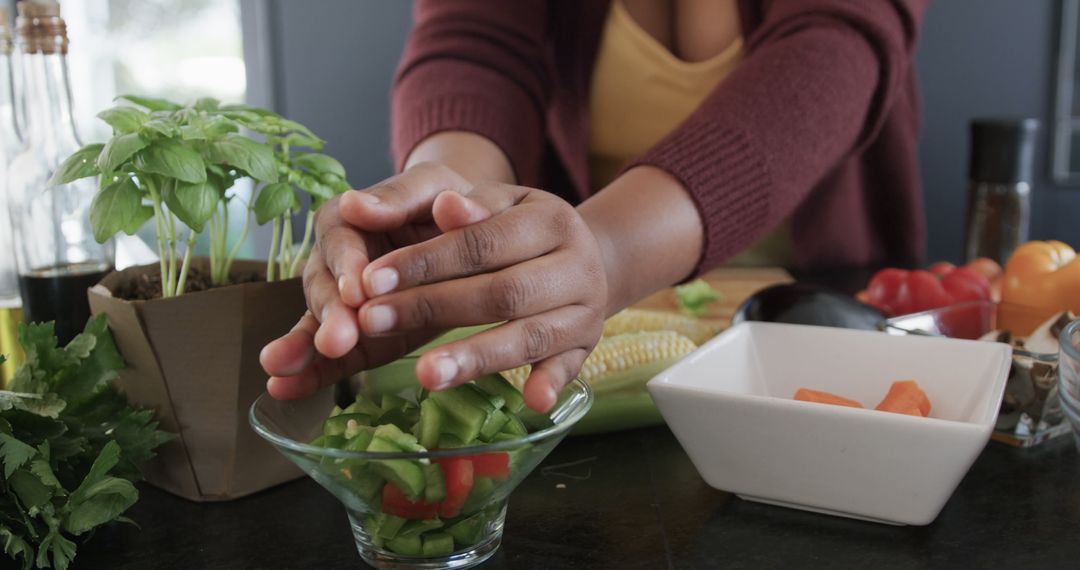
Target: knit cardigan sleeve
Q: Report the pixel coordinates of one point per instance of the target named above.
(470, 67)
(817, 82)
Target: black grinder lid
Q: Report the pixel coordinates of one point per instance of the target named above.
(1003, 150)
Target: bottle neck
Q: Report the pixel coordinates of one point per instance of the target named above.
(7, 102)
(47, 100)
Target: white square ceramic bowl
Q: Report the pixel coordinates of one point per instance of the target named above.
(730, 405)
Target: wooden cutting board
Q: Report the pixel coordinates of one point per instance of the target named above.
(735, 284)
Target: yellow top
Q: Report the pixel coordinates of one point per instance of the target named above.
(640, 92)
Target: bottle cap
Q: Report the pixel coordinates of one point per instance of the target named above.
(5, 32)
(40, 27)
(1003, 150)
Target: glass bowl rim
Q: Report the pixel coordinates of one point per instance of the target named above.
(508, 445)
(1065, 340)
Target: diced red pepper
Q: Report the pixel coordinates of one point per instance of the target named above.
(495, 465)
(458, 474)
(394, 502)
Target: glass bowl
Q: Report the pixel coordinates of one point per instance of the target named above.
(1069, 376)
(969, 320)
(417, 534)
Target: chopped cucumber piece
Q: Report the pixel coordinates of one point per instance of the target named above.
(431, 419)
(438, 544)
(406, 545)
(406, 441)
(497, 385)
(392, 402)
(389, 525)
(447, 441)
(494, 401)
(364, 406)
(468, 532)
(406, 474)
(415, 528)
(465, 411)
(336, 425)
(435, 489)
(495, 422)
(482, 489)
(515, 427)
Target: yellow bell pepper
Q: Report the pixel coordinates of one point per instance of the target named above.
(1041, 279)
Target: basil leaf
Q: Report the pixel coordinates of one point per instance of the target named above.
(79, 165)
(254, 158)
(150, 103)
(144, 213)
(118, 150)
(194, 204)
(320, 163)
(124, 119)
(162, 126)
(311, 185)
(273, 200)
(208, 127)
(174, 159)
(206, 104)
(113, 208)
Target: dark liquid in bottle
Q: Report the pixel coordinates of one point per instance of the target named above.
(59, 294)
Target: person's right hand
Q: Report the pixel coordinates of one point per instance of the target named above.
(326, 344)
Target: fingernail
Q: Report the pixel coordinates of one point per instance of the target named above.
(349, 290)
(445, 371)
(382, 281)
(366, 197)
(379, 319)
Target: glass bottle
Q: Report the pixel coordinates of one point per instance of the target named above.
(10, 143)
(57, 256)
(1001, 172)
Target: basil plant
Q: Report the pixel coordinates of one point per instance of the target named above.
(178, 163)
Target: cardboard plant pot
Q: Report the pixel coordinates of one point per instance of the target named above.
(194, 360)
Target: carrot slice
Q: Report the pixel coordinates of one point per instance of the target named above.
(807, 395)
(905, 397)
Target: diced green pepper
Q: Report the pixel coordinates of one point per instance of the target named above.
(399, 418)
(497, 385)
(318, 441)
(431, 419)
(336, 425)
(406, 545)
(494, 401)
(447, 441)
(482, 489)
(465, 412)
(335, 411)
(392, 402)
(415, 528)
(435, 485)
(406, 474)
(515, 426)
(354, 430)
(438, 544)
(496, 420)
(371, 526)
(364, 406)
(468, 532)
(406, 441)
(389, 525)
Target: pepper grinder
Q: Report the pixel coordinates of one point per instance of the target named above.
(999, 186)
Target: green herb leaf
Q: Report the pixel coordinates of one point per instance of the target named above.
(41, 469)
(14, 454)
(144, 213)
(124, 119)
(273, 200)
(163, 126)
(208, 127)
(60, 549)
(194, 204)
(173, 159)
(118, 150)
(206, 104)
(32, 493)
(102, 502)
(150, 103)
(254, 158)
(114, 208)
(321, 163)
(16, 548)
(311, 185)
(79, 165)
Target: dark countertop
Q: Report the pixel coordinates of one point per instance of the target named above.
(638, 504)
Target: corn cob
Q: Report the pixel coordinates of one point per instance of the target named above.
(623, 361)
(638, 320)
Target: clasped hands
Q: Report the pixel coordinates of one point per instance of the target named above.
(425, 251)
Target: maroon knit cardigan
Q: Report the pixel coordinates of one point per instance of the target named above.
(818, 123)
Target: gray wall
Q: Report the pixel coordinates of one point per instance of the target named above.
(332, 68)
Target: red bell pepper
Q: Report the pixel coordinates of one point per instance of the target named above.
(494, 465)
(458, 475)
(394, 502)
